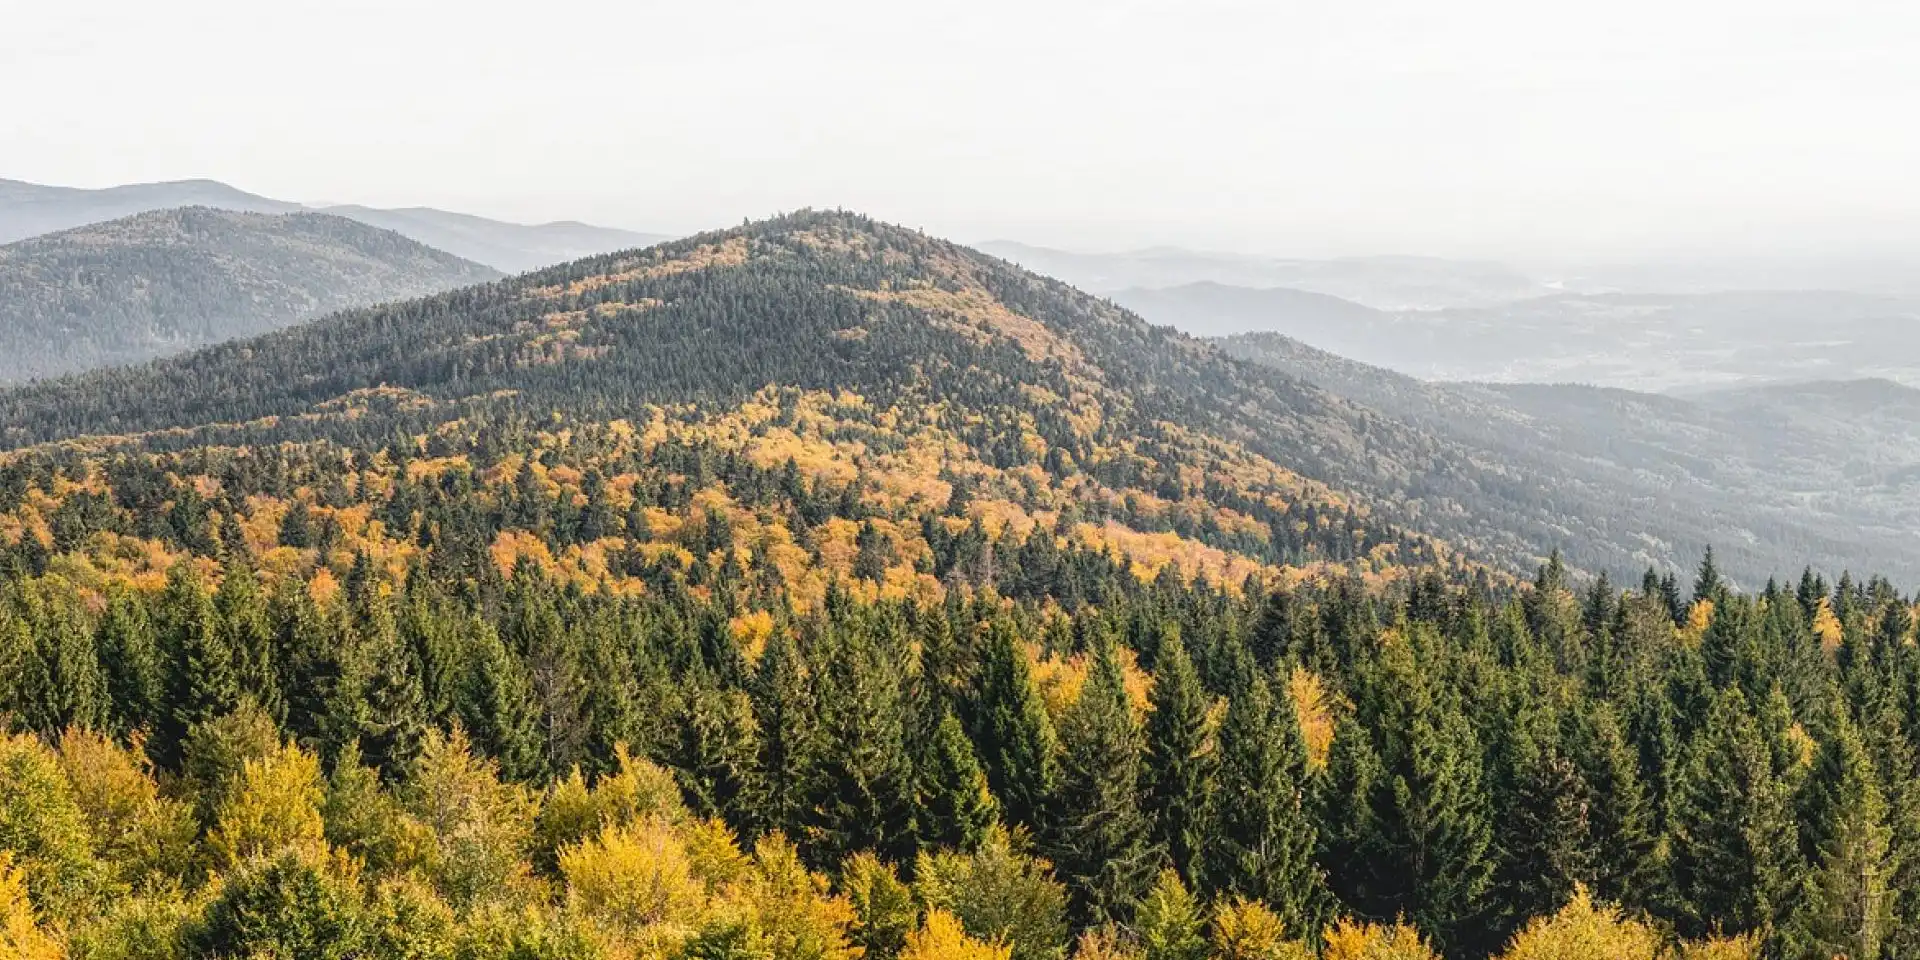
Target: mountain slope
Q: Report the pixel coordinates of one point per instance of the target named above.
(1771, 477)
(166, 281)
(1082, 411)
(29, 210)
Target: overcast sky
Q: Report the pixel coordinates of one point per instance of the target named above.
(1519, 128)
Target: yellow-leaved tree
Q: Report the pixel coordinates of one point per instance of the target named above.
(1246, 930)
(1584, 930)
(20, 935)
(1351, 940)
(273, 806)
(943, 938)
(637, 883)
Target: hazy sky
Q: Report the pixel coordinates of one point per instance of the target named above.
(1503, 127)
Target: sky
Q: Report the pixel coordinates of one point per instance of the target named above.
(1501, 128)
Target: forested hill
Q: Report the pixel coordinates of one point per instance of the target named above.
(1029, 374)
(1774, 477)
(819, 591)
(166, 281)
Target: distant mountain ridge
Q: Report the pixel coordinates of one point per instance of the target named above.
(161, 282)
(1637, 341)
(1208, 309)
(29, 210)
(1381, 282)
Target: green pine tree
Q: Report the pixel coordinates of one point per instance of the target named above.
(394, 722)
(784, 708)
(130, 655)
(204, 679)
(859, 793)
(1014, 734)
(954, 807)
(717, 754)
(1735, 845)
(1103, 844)
(497, 707)
(1847, 900)
(1179, 765)
(1260, 838)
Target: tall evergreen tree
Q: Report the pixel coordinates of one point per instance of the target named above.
(204, 678)
(130, 656)
(1260, 838)
(1735, 846)
(1421, 833)
(1545, 841)
(1103, 846)
(954, 807)
(1627, 863)
(1013, 731)
(394, 722)
(497, 707)
(785, 710)
(859, 793)
(1846, 905)
(1179, 765)
(716, 757)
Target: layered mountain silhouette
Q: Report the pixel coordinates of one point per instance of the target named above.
(28, 209)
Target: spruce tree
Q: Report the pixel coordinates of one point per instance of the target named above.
(954, 807)
(859, 789)
(784, 709)
(249, 630)
(496, 706)
(204, 679)
(1260, 838)
(130, 656)
(717, 754)
(1627, 865)
(1179, 765)
(1422, 841)
(62, 682)
(1847, 901)
(1013, 731)
(1545, 837)
(1103, 846)
(1734, 841)
(394, 722)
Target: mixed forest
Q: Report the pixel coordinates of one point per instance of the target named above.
(817, 591)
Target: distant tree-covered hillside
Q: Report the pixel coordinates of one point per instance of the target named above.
(164, 282)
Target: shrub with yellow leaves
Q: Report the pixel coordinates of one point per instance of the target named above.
(145, 836)
(42, 824)
(883, 908)
(479, 829)
(801, 919)
(1106, 943)
(1722, 948)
